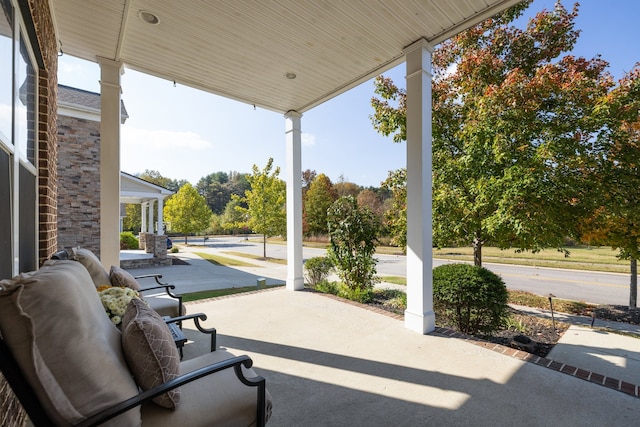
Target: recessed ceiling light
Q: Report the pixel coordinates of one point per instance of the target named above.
(290, 75)
(148, 17)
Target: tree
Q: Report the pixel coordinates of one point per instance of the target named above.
(345, 188)
(513, 125)
(396, 216)
(318, 199)
(187, 211)
(353, 232)
(266, 203)
(616, 176)
(232, 218)
(133, 211)
(218, 187)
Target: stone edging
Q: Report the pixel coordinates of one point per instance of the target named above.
(595, 378)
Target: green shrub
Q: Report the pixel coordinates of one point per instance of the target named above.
(174, 250)
(327, 287)
(361, 295)
(128, 240)
(318, 269)
(474, 298)
(353, 230)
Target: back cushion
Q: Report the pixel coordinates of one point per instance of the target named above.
(99, 275)
(65, 343)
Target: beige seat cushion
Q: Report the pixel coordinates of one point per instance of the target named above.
(219, 399)
(68, 349)
(164, 305)
(121, 277)
(93, 265)
(150, 350)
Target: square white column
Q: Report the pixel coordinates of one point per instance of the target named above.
(110, 91)
(419, 315)
(293, 134)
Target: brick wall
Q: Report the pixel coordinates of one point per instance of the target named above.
(79, 183)
(11, 412)
(46, 128)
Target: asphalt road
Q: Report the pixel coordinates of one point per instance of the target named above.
(593, 287)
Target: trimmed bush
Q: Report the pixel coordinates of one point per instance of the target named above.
(128, 240)
(474, 298)
(318, 269)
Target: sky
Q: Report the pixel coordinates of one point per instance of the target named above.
(185, 133)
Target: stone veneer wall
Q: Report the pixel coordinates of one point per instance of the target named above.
(79, 183)
(40, 20)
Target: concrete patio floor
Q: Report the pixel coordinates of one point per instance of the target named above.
(331, 363)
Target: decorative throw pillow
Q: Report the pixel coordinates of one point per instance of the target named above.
(93, 265)
(122, 278)
(150, 351)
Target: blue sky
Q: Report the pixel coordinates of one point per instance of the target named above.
(186, 134)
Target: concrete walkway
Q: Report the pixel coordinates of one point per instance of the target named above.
(333, 363)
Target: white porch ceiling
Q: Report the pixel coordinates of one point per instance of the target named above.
(243, 49)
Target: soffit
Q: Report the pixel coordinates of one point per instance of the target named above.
(243, 49)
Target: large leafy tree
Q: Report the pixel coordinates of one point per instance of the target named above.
(265, 210)
(218, 187)
(187, 211)
(616, 176)
(513, 122)
(317, 200)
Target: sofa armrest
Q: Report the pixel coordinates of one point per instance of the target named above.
(236, 363)
(197, 317)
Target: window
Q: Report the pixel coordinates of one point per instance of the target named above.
(18, 145)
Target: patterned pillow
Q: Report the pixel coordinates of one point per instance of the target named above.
(122, 278)
(150, 351)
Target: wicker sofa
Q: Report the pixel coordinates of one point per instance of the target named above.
(69, 365)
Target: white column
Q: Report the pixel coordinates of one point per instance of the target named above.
(110, 91)
(150, 215)
(293, 133)
(160, 227)
(419, 314)
(143, 215)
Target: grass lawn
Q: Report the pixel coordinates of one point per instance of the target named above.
(194, 296)
(580, 258)
(258, 257)
(224, 261)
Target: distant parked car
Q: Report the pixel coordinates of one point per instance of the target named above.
(169, 243)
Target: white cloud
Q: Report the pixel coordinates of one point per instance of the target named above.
(163, 139)
(308, 140)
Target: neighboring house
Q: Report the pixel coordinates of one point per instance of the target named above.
(79, 168)
(79, 177)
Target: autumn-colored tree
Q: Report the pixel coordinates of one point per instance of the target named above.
(265, 210)
(318, 199)
(346, 188)
(513, 124)
(616, 177)
(373, 201)
(187, 211)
